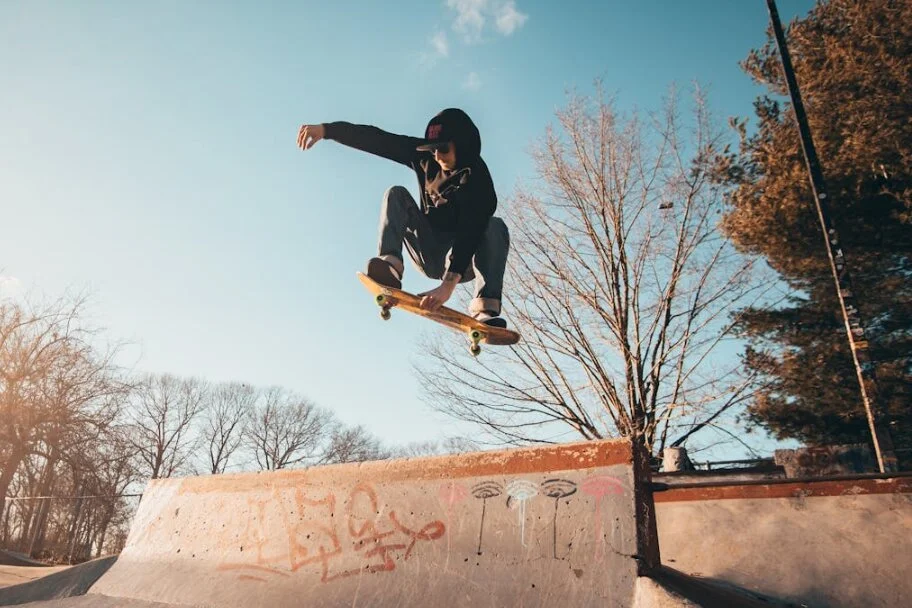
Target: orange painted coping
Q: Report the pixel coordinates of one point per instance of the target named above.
(807, 488)
(565, 457)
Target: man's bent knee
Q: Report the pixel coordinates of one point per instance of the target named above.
(397, 195)
(497, 228)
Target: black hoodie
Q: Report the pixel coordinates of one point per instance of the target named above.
(457, 203)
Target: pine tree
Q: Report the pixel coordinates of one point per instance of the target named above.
(853, 61)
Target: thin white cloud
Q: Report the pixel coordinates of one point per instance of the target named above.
(472, 82)
(509, 19)
(470, 17)
(440, 44)
(440, 49)
(473, 15)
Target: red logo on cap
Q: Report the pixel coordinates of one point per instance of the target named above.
(433, 131)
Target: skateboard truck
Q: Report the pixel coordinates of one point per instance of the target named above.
(475, 337)
(384, 305)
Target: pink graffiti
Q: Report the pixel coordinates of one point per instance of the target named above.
(599, 487)
(452, 494)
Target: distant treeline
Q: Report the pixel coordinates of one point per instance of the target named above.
(80, 436)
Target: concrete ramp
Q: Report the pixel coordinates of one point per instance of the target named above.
(566, 525)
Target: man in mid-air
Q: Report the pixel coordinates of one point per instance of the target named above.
(453, 235)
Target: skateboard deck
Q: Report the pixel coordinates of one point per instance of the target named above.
(477, 332)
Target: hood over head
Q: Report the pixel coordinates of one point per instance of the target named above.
(453, 125)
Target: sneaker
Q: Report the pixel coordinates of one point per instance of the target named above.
(383, 272)
(493, 320)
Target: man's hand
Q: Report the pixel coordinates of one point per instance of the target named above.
(308, 135)
(437, 297)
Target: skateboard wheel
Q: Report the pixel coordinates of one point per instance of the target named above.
(385, 314)
(475, 335)
(475, 350)
(380, 299)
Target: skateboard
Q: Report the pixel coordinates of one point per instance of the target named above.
(477, 332)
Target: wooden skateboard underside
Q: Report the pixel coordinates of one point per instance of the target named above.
(477, 332)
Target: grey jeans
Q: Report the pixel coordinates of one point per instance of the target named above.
(401, 221)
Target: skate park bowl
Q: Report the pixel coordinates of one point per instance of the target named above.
(835, 542)
(565, 524)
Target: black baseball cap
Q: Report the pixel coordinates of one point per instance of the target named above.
(450, 125)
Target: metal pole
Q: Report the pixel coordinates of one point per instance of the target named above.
(858, 344)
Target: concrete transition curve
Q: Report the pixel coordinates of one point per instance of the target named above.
(570, 525)
(566, 525)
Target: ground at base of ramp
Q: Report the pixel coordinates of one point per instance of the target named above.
(16, 575)
(69, 582)
(97, 601)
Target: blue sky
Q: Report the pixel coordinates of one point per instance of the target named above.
(148, 156)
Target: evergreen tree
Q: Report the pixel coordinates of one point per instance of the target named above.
(853, 61)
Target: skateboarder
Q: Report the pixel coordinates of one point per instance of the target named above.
(453, 235)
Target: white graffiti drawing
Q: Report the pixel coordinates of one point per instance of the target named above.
(519, 491)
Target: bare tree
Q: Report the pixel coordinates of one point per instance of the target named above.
(450, 445)
(161, 423)
(57, 388)
(353, 444)
(228, 408)
(113, 472)
(620, 285)
(286, 429)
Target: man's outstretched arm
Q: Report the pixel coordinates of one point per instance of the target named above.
(398, 148)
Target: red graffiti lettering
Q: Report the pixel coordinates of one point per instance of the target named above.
(313, 538)
(431, 531)
(312, 542)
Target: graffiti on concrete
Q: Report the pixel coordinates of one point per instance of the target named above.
(557, 489)
(483, 491)
(364, 534)
(518, 492)
(451, 494)
(599, 487)
(317, 540)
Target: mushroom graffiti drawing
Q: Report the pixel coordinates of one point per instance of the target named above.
(557, 489)
(518, 492)
(599, 487)
(485, 490)
(451, 494)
